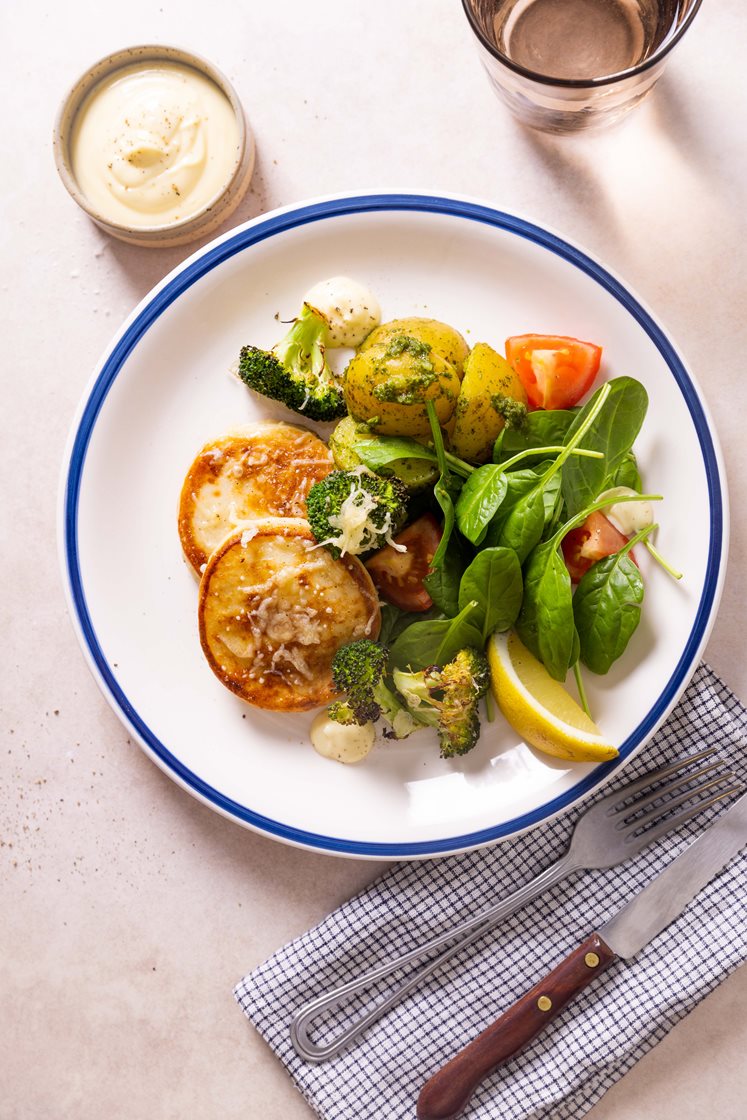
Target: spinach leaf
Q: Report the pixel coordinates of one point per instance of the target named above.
(383, 450)
(607, 607)
(545, 624)
(579, 677)
(627, 474)
(442, 584)
(540, 429)
(611, 429)
(436, 642)
(493, 580)
(518, 484)
(558, 512)
(479, 500)
(446, 490)
(526, 521)
(394, 621)
(482, 511)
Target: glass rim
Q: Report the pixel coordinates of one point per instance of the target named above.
(581, 83)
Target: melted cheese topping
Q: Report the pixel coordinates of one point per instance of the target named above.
(356, 531)
(274, 610)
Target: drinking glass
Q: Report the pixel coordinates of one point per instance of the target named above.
(570, 65)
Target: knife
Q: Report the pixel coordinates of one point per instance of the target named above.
(448, 1091)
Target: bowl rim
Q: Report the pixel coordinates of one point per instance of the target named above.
(581, 83)
(118, 60)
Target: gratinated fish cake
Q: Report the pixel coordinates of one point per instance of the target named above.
(274, 608)
(262, 470)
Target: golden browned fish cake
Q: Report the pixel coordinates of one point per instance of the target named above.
(274, 608)
(263, 470)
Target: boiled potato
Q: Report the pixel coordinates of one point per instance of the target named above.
(387, 385)
(342, 441)
(442, 338)
(477, 424)
(415, 473)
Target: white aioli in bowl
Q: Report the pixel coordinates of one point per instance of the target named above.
(153, 143)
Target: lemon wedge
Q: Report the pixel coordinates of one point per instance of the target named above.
(539, 708)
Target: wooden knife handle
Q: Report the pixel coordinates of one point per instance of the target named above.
(447, 1093)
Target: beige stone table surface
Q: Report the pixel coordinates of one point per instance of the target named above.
(127, 909)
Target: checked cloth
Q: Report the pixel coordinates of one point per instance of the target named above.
(595, 1040)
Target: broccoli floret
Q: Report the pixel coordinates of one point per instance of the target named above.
(513, 412)
(359, 670)
(296, 372)
(356, 511)
(448, 698)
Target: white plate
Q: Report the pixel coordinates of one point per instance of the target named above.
(163, 389)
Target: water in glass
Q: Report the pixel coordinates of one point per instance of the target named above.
(581, 39)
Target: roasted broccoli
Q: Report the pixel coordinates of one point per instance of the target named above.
(295, 372)
(359, 670)
(356, 511)
(448, 698)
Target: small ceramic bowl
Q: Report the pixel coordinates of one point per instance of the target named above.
(197, 224)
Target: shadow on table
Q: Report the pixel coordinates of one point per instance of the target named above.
(604, 179)
(144, 267)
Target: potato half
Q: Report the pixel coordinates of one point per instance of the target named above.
(477, 424)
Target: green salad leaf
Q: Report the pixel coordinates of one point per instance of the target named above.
(610, 428)
(607, 607)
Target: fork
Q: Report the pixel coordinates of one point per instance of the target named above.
(613, 830)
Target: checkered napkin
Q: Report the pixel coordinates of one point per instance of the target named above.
(588, 1047)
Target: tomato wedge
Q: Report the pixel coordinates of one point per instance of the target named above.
(592, 541)
(555, 371)
(399, 575)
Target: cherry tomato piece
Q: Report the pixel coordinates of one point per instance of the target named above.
(555, 371)
(592, 541)
(399, 575)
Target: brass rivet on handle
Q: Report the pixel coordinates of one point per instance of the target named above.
(592, 960)
(544, 1003)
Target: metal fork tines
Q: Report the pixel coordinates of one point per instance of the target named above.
(661, 805)
(619, 820)
(613, 830)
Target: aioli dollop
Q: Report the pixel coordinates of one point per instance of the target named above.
(628, 517)
(342, 742)
(351, 310)
(153, 144)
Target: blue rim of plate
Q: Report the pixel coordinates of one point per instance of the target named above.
(212, 256)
